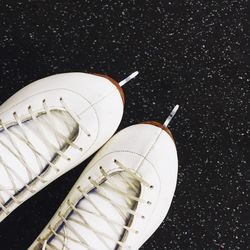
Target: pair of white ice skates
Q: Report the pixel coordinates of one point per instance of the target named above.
(124, 193)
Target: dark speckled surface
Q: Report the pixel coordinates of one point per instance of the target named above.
(194, 53)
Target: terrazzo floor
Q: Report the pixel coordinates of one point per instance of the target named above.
(191, 52)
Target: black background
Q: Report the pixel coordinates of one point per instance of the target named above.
(194, 53)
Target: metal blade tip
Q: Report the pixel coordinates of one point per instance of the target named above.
(172, 114)
(130, 77)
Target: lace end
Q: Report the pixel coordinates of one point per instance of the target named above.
(172, 114)
(127, 79)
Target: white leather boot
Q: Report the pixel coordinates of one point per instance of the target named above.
(49, 127)
(121, 197)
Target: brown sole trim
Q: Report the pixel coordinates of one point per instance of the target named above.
(116, 85)
(157, 124)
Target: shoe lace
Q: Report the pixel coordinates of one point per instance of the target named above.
(132, 180)
(22, 135)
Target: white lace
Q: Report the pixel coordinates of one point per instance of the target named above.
(131, 179)
(22, 135)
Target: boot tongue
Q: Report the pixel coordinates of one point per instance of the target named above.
(95, 230)
(13, 173)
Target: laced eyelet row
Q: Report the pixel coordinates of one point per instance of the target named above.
(86, 196)
(44, 101)
(23, 137)
(149, 186)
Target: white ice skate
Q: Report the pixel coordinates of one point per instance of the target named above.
(49, 127)
(121, 197)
